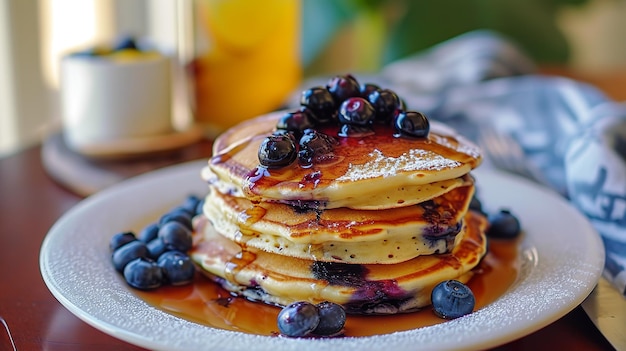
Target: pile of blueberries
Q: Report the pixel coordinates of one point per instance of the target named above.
(355, 108)
(158, 254)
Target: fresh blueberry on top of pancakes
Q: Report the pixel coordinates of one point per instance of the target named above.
(357, 111)
(296, 121)
(321, 103)
(367, 88)
(277, 151)
(412, 124)
(385, 103)
(343, 87)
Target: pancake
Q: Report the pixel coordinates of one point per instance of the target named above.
(373, 224)
(360, 289)
(342, 234)
(384, 165)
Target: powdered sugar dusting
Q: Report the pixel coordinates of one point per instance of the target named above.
(384, 166)
(463, 146)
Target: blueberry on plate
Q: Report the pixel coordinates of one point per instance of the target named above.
(128, 252)
(177, 267)
(504, 225)
(452, 299)
(156, 247)
(176, 236)
(298, 319)
(143, 273)
(191, 204)
(120, 239)
(149, 232)
(332, 318)
(178, 214)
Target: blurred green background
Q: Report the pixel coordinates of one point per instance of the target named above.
(363, 35)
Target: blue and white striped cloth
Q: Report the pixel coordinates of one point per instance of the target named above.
(573, 133)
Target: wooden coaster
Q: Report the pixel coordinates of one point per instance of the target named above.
(86, 175)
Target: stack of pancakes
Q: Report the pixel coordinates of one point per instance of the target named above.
(374, 230)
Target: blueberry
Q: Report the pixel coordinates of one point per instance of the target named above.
(120, 239)
(321, 103)
(177, 267)
(277, 151)
(305, 158)
(175, 236)
(315, 147)
(298, 319)
(125, 43)
(199, 207)
(366, 89)
(317, 141)
(332, 318)
(178, 214)
(385, 103)
(128, 252)
(356, 111)
(343, 87)
(503, 224)
(149, 232)
(412, 124)
(191, 204)
(296, 121)
(452, 299)
(144, 274)
(156, 247)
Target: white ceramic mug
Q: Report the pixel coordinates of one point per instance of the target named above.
(107, 100)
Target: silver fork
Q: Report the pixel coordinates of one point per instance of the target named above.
(506, 154)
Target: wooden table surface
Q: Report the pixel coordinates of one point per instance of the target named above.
(30, 203)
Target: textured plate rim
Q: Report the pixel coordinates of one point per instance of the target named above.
(562, 252)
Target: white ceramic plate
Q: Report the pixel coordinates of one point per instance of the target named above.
(562, 260)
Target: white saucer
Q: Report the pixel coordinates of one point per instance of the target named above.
(124, 148)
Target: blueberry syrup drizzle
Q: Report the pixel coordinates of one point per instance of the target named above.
(368, 295)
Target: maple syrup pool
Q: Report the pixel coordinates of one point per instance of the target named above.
(206, 303)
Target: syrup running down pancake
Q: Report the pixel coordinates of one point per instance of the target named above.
(360, 289)
(408, 171)
(373, 224)
(343, 234)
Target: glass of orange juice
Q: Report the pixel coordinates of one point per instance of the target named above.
(246, 59)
